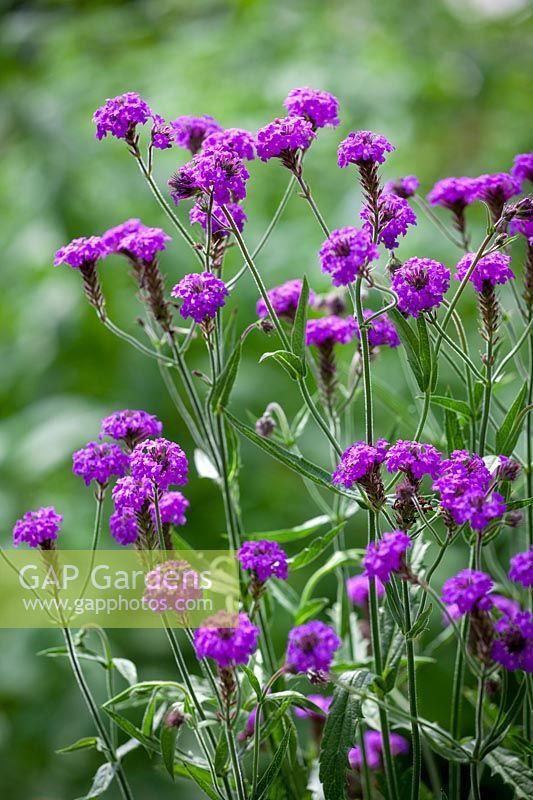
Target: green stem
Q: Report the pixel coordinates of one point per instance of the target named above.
(487, 394)
(411, 680)
(306, 193)
(99, 496)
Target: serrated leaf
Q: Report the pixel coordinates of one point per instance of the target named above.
(291, 363)
(127, 669)
(292, 534)
(300, 320)
(222, 388)
(452, 405)
(102, 780)
(512, 771)
(315, 549)
(252, 680)
(273, 768)
(421, 623)
(509, 431)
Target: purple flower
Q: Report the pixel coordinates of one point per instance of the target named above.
(403, 187)
(523, 226)
(395, 216)
(265, 558)
(523, 167)
(190, 132)
(345, 254)
(170, 585)
(85, 250)
(505, 605)
(131, 493)
(420, 284)
(386, 556)
(135, 239)
(284, 299)
(358, 589)
(219, 221)
(98, 461)
(414, 458)
(160, 461)
(37, 527)
(463, 486)
(131, 426)
(489, 270)
(185, 183)
(221, 173)
(496, 187)
(242, 142)
(483, 507)
(202, 294)
(359, 461)
(162, 134)
(508, 469)
(521, 570)
(120, 115)
(320, 108)
(311, 647)
(381, 331)
(330, 330)
(227, 639)
(123, 526)
(469, 590)
(284, 137)
(363, 147)
(513, 643)
(172, 508)
(373, 744)
(452, 193)
(320, 700)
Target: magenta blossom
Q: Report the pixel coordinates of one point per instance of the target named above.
(265, 559)
(373, 744)
(190, 132)
(346, 253)
(99, 461)
(468, 590)
(490, 270)
(120, 115)
(386, 556)
(227, 638)
(284, 138)
(358, 589)
(363, 147)
(311, 647)
(37, 527)
(330, 330)
(320, 108)
(202, 295)
(420, 284)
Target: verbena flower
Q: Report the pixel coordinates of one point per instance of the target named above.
(395, 217)
(381, 331)
(123, 526)
(131, 426)
(513, 643)
(202, 294)
(162, 133)
(284, 299)
(160, 461)
(221, 173)
(345, 254)
(135, 239)
(358, 590)
(321, 700)
(386, 556)
(171, 585)
(523, 167)
(265, 559)
(120, 115)
(403, 187)
(508, 469)
(521, 568)
(99, 461)
(172, 508)
(320, 108)
(414, 458)
(453, 193)
(81, 251)
(522, 226)
(363, 147)
(490, 270)
(338, 330)
(505, 605)
(311, 647)
(358, 461)
(420, 284)
(373, 744)
(284, 137)
(185, 184)
(37, 527)
(190, 132)
(128, 492)
(219, 221)
(497, 186)
(242, 142)
(227, 638)
(468, 590)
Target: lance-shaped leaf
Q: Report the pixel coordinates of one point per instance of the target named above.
(273, 768)
(300, 320)
(222, 389)
(452, 405)
(292, 534)
(293, 365)
(507, 435)
(316, 548)
(425, 350)
(410, 341)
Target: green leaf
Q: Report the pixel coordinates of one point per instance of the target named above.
(339, 734)
(291, 363)
(222, 389)
(425, 353)
(524, 503)
(338, 559)
(221, 755)
(454, 435)
(127, 669)
(421, 624)
(453, 405)
(88, 742)
(273, 768)
(200, 776)
(101, 781)
(292, 534)
(167, 740)
(315, 549)
(310, 610)
(132, 730)
(300, 320)
(252, 680)
(149, 713)
(410, 341)
(512, 771)
(507, 435)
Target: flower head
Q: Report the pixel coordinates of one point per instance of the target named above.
(172, 508)
(160, 461)
(219, 221)
(162, 134)
(452, 193)
(99, 461)
(345, 253)
(521, 568)
(265, 558)
(37, 527)
(513, 643)
(322, 701)
(363, 147)
(227, 639)
(420, 284)
(284, 136)
(386, 556)
(490, 270)
(135, 239)
(81, 251)
(468, 590)
(185, 183)
(190, 132)
(284, 299)
(222, 173)
(505, 605)
(395, 216)
(381, 331)
(131, 493)
(123, 526)
(497, 186)
(320, 108)
(414, 458)
(330, 330)
(373, 744)
(202, 295)
(523, 167)
(358, 590)
(131, 426)
(170, 585)
(311, 647)
(120, 115)
(242, 142)
(522, 226)
(463, 485)
(403, 187)
(358, 461)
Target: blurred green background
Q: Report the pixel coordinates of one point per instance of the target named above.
(448, 82)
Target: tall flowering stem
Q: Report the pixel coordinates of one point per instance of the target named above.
(413, 702)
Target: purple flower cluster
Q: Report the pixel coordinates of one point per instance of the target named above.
(221, 172)
(131, 493)
(468, 590)
(160, 461)
(135, 239)
(358, 589)
(490, 270)
(345, 253)
(84, 250)
(131, 426)
(37, 527)
(521, 568)
(513, 643)
(228, 639)
(219, 221)
(162, 134)
(373, 744)
(184, 183)
(265, 559)
(202, 295)
(363, 147)
(386, 556)
(190, 132)
(381, 331)
(284, 299)
(453, 193)
(414, 458)
(284, 136)
(123, 526)
(497, 186)
(330, 330)
(320, 108)
(395, 216)
(358, 461)
(523, 167)
(242, 142)
(99, 461)
(120, 115)
(420, 284)
(172, 508)
(403, 187)
(311, 647)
